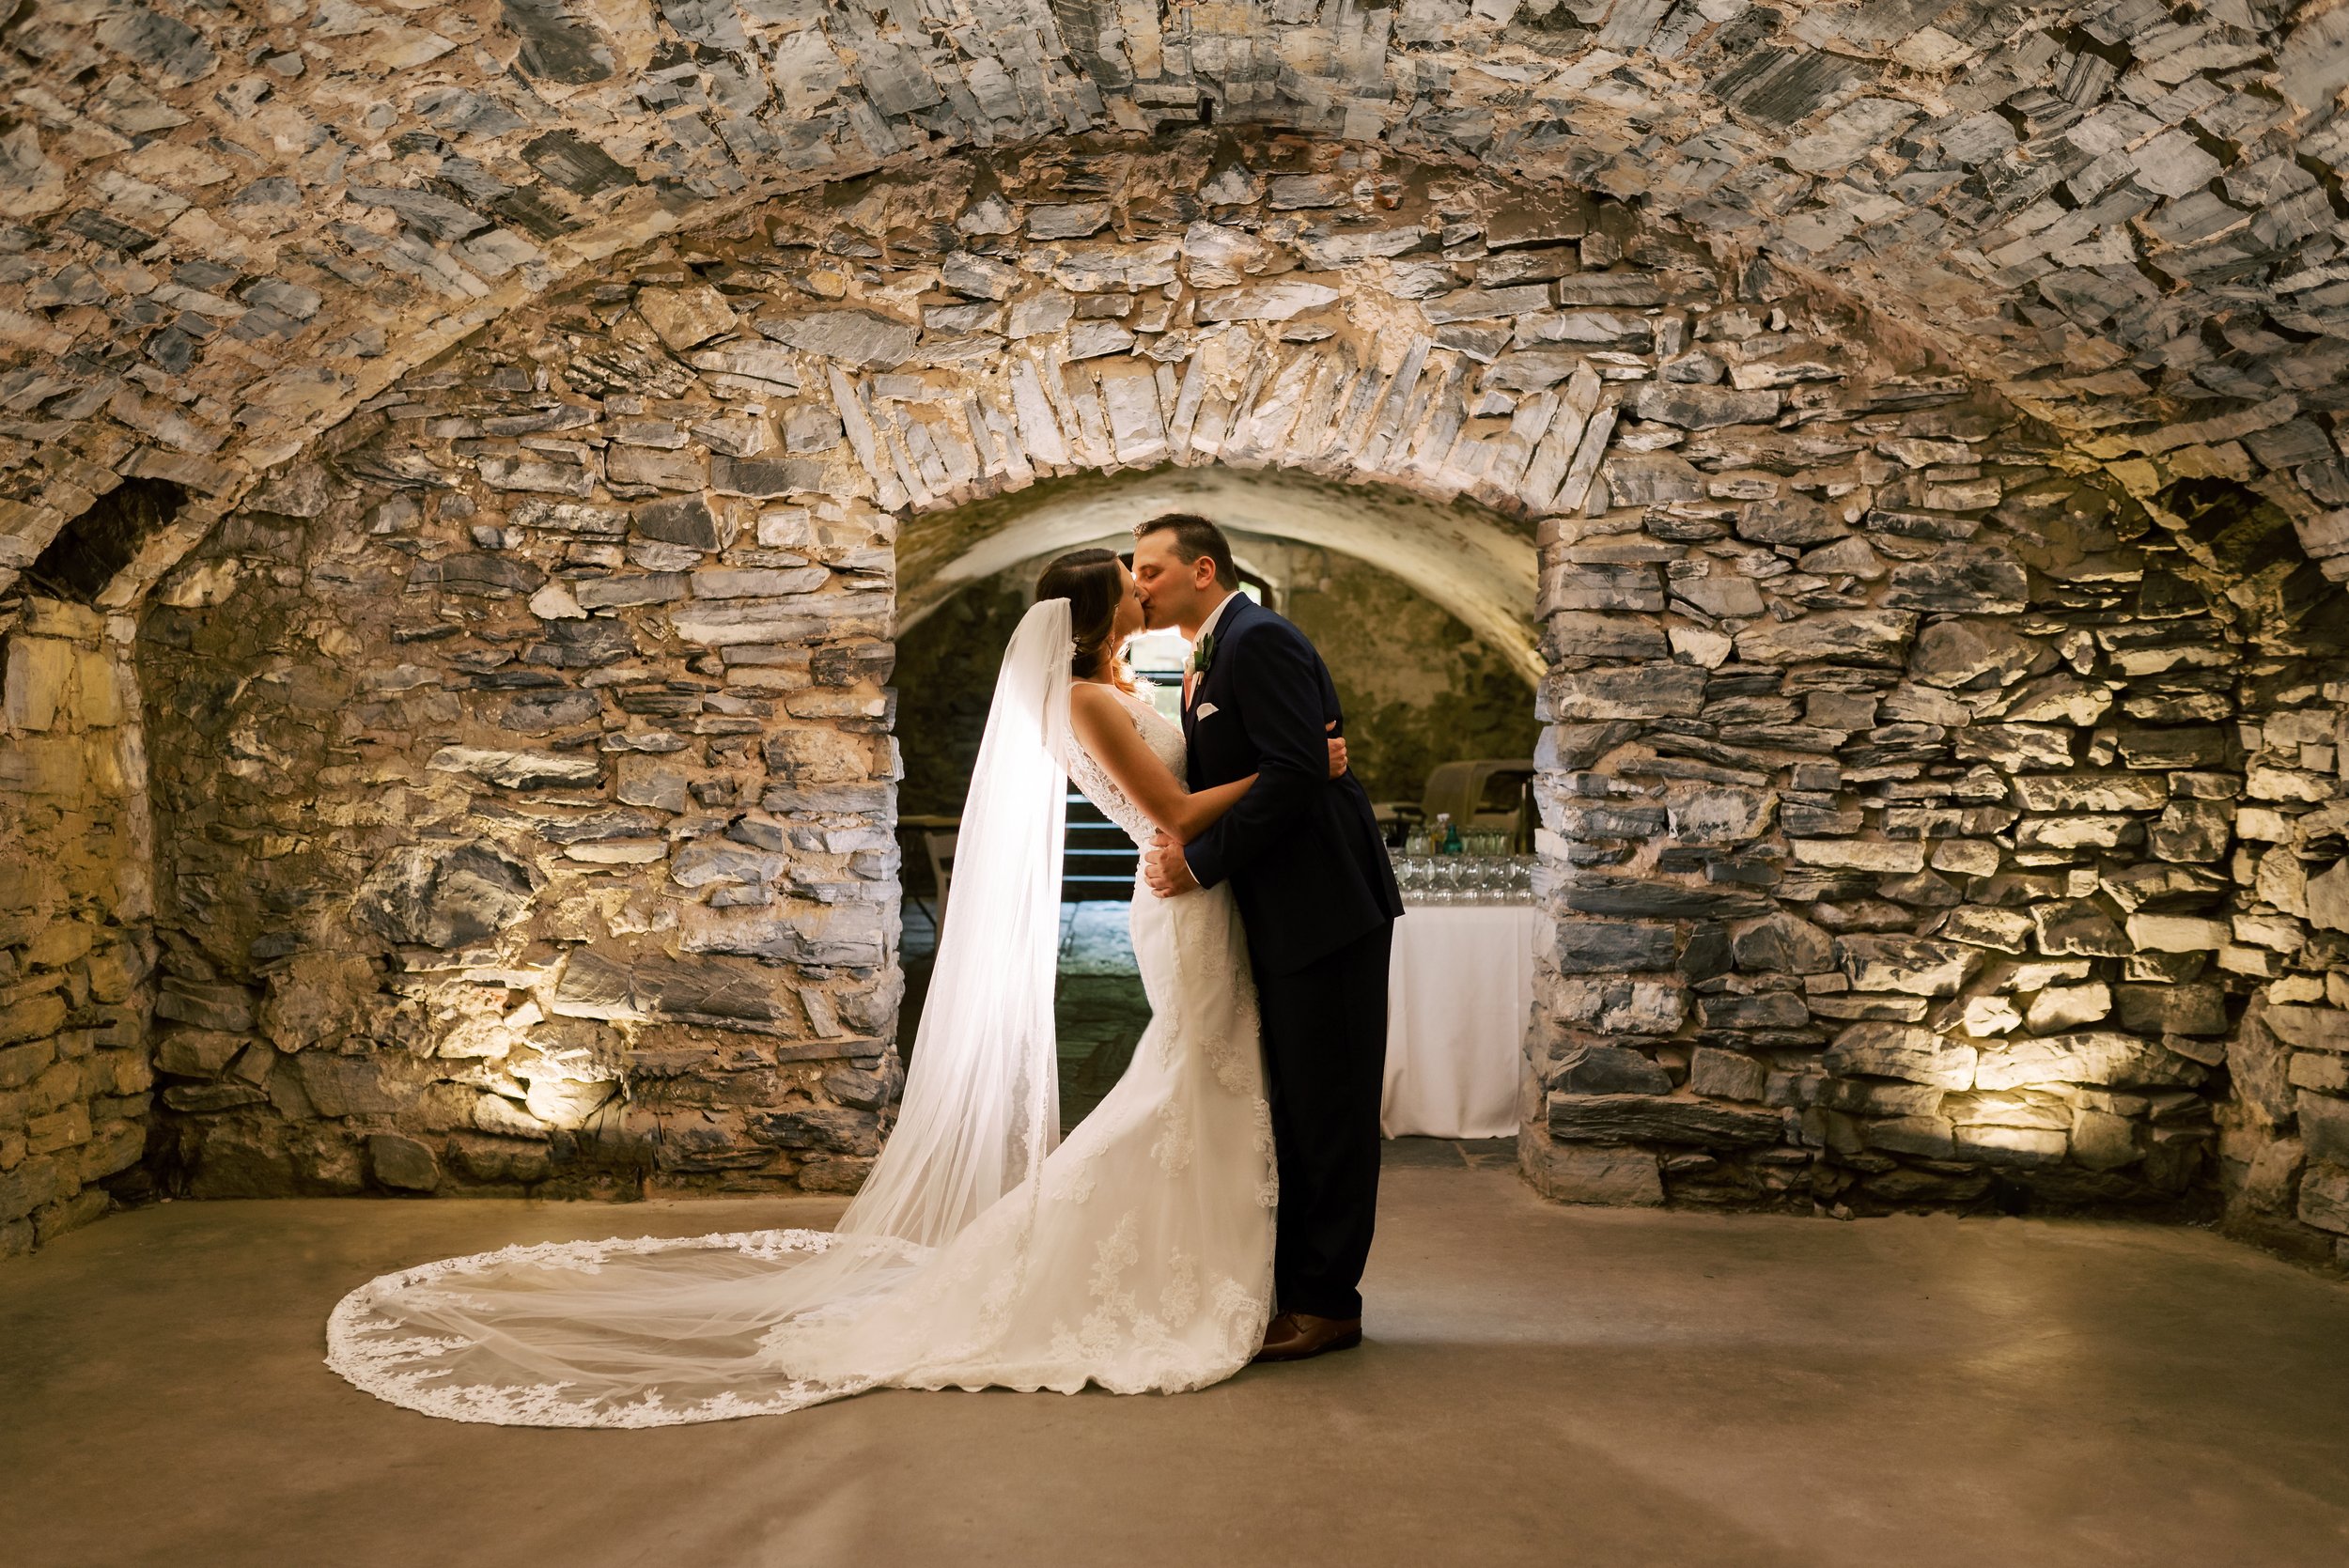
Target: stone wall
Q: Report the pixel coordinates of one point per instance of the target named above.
(525, 807)
(2284, 1129)
(75, 909)
(1926, 810)
(1930, 834)
(526, 774)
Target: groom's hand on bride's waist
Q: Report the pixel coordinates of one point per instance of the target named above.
(1163, 868)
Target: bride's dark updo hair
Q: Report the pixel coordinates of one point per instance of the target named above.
(1090, 581)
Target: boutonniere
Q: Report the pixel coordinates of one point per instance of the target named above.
(1202, 654)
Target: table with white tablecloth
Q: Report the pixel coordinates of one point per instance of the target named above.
(1459, 990)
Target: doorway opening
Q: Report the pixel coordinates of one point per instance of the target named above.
(1424, 691)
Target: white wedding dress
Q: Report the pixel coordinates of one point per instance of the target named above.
(1136, 1256)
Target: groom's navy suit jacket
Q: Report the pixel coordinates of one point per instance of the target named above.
(1301, 849)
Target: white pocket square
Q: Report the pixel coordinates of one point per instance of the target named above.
(1201, 711)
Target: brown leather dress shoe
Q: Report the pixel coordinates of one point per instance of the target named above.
(1296, 1336)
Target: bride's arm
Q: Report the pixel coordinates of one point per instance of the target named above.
(1107, 731)
(1201, 809)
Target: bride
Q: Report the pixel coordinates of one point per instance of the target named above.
(1136, 1256)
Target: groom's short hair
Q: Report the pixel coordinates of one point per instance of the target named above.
(1194, 536)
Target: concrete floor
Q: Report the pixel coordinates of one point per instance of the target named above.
(1543, 1386)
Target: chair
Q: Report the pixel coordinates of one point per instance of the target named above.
(1485, 792)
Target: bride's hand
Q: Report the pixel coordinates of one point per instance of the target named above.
(1337, 752)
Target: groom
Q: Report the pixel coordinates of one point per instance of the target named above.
(1309, 874)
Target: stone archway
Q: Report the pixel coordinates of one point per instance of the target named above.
(1475, 561)
(1448, 588)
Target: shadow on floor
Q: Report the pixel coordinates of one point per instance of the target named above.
(1448, 1154)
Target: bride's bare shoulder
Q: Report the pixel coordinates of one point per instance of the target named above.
(1092, 704)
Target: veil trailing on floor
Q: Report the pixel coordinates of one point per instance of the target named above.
(654, 1331)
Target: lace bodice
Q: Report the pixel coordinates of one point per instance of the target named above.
(1165, 739)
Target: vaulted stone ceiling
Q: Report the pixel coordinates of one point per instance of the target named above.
(229, 226)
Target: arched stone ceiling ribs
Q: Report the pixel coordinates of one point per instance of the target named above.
(229, 228)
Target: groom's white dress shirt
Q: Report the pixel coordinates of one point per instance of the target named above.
(1190, 672)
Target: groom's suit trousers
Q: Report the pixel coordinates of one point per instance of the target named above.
(1325, 1046)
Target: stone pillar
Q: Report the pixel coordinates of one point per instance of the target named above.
(76, 911)
(1976, 837)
